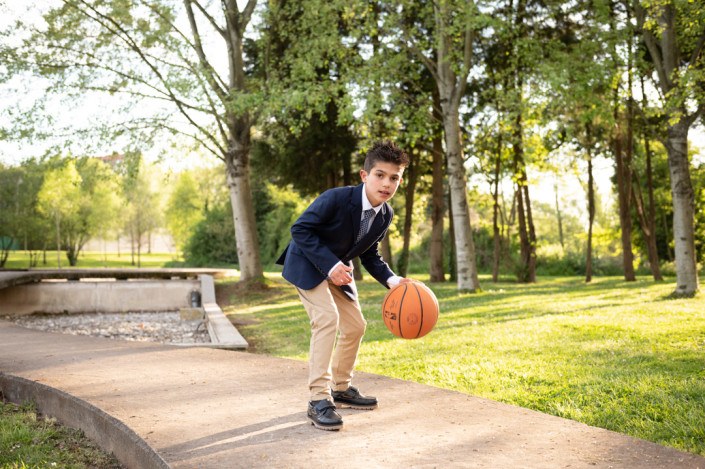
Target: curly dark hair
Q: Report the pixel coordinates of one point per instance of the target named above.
(388, 152)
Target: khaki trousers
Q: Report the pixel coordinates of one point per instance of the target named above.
(331, 311)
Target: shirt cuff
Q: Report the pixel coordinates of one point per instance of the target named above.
(333, 268)
(393, 281)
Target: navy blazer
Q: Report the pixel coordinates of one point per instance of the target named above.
(325, 234)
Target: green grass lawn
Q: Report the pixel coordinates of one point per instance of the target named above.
(90, 259)
(613, 354)
(29, 441)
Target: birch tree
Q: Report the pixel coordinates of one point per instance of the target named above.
(447, 52)
(674, 35)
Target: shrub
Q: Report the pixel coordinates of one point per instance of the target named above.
(213, 239)
(277, 209)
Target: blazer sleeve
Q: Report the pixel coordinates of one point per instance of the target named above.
(304, 232)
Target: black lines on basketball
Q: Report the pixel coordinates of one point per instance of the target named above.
(418, 293)
(401, 306)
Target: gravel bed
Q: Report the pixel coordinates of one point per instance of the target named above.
(167, 327)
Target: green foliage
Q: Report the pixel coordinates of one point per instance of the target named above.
(699, 189)
(98, 208)
(141, 212)
(184, 209)
(212, 241)
(59, 197)
(317, 158)
(277, 210)
(60, 192)
(80, 199)
(307, 62)
(10, 180)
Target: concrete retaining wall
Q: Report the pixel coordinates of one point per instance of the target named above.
(97, 296)
(110, 433)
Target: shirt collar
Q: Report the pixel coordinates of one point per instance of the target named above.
(366, 205)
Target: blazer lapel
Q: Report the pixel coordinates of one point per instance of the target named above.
(356, 210)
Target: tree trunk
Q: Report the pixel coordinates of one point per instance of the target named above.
(437, 203)
(623, 173)
(664, 223)
(237, 162)
(649, 223)
(649, 235)
(591, 217)
(622, 162)
(527, 235)
(464, 244)
(523, 236)
(668, 59)
(451, 88)
(496, 235)
(132, 245)
(58, 241)
(411, 172)
(532, 232)
(683, 209)
(651, 216)
(451, 252)
(559, 217)
(238, 180)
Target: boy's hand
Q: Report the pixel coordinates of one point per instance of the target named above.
(341, 275)
(407, 280)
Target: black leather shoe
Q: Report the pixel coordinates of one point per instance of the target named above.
(352, 398)
(323, 415)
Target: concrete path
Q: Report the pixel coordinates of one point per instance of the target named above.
(205, 408)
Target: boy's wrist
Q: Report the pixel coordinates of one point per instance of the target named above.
(330, 272)
(393, 281)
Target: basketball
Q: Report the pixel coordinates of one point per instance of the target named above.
(410, 310)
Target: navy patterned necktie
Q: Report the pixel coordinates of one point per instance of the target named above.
(364, 224)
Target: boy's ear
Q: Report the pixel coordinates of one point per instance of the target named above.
(363, 175)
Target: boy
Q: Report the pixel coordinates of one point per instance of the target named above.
(341, 224)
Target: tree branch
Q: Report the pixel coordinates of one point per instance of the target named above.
(208, 16)
(468, 42)
(247, 14)
(119, 31)
(697, 51)
(186, 39)
(216, 149)
(433, 70)
(652, 46)
(198, 46)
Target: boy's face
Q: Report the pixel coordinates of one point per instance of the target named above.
(382, 181)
